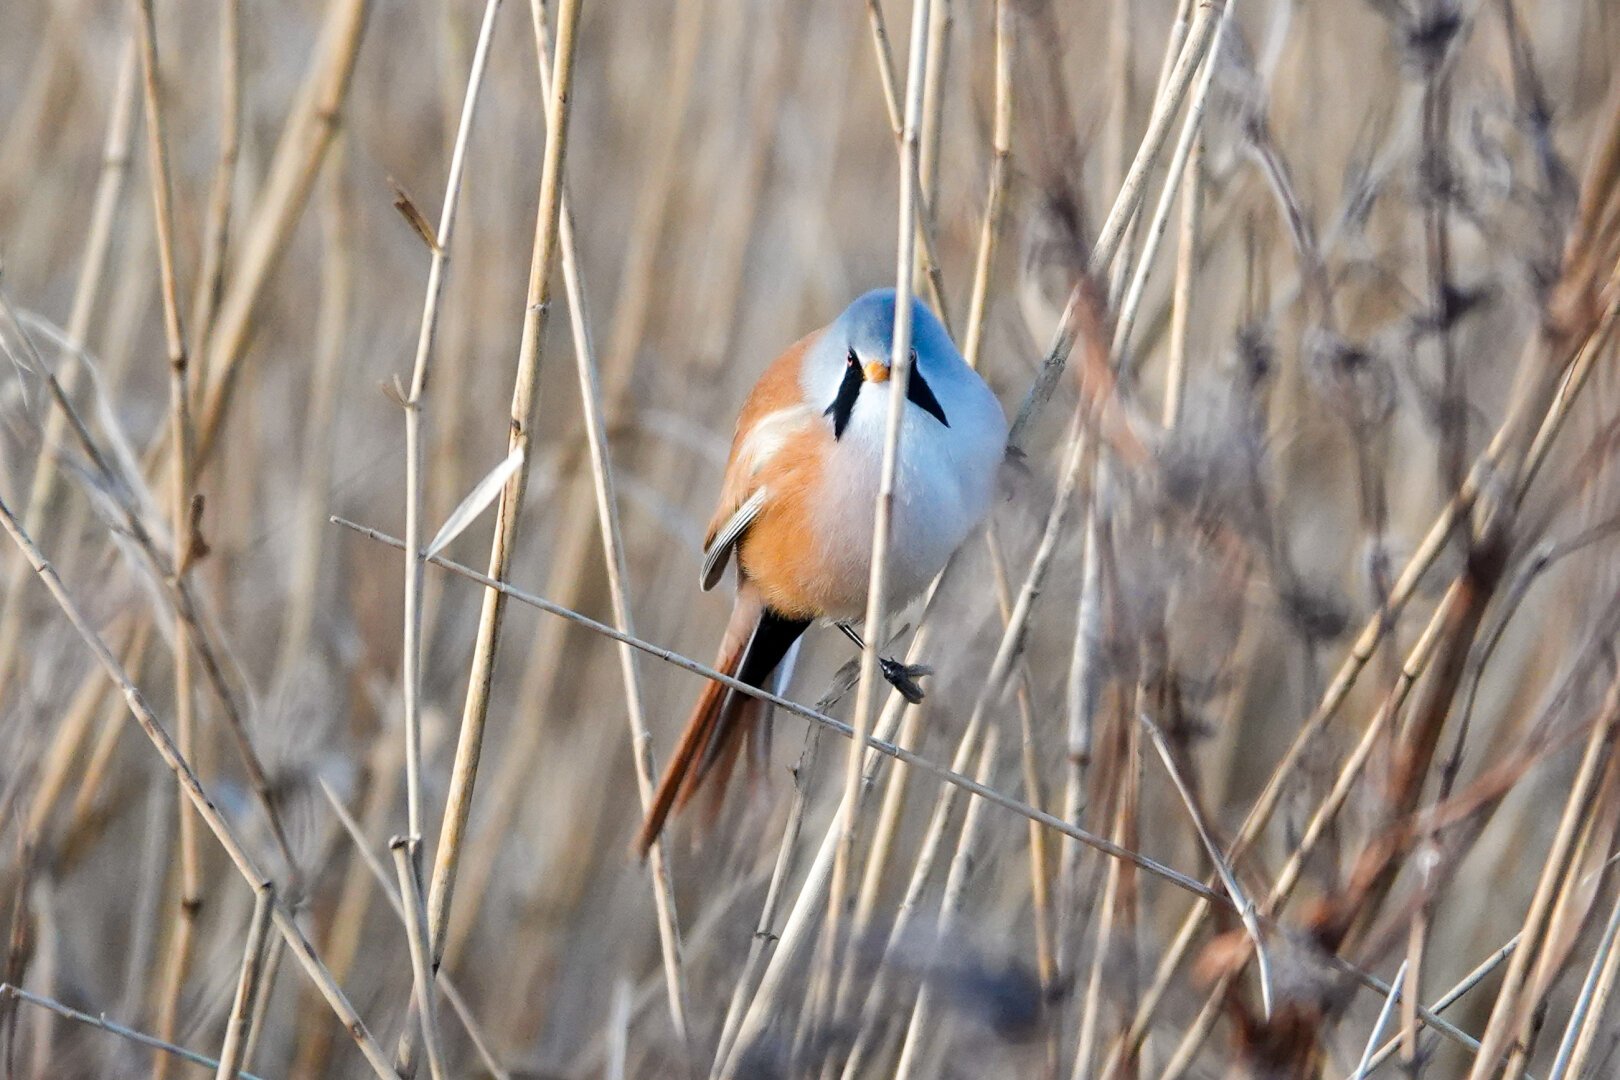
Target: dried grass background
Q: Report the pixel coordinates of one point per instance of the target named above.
(1400, 286)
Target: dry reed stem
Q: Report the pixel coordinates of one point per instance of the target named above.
(210, 282)
(1029, 751)
(1116, 150)
(1109, 958)
(275, 952)
(341, 942)
(1187, 261)
(407, 865)
(1175, 173)
(809, 902)
(639, 274)
(439, 246)
(920, 208)
(233, 1052)
(607, 508)
(17, 992)
(990, 230)
(935, 69)
(206, 809)
(182, 525)
(996, 196)
(890, 817)
(876, 995)
(525, 395)
(1082, 692)
(1240, 899)
(875, 622)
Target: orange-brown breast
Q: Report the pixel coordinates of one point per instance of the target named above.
(783, 554)
(777, 389)
(780, 553)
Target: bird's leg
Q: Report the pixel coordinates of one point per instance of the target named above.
(903, 677)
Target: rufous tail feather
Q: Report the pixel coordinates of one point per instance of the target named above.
(756, 641)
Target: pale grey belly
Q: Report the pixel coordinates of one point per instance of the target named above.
(939, 500)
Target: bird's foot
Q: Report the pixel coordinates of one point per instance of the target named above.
(904, 677)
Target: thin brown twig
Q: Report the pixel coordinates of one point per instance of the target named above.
(996, 197)
(8, 990)
(233, 1052)
(407, 863)
(372, 863)
(881, 746)
(217, 226)
(411, 650)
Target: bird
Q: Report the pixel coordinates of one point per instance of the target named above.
(797, 508)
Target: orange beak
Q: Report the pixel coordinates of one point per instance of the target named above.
(877, 373)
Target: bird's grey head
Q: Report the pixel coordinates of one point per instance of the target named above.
(853, 354)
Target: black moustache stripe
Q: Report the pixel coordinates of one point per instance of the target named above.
(918, 393)
(844, 404)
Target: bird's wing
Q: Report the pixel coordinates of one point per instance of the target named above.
(717, 552)
(774, 411)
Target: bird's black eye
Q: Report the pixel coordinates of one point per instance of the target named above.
(854, 361)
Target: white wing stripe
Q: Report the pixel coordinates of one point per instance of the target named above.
(769, 434)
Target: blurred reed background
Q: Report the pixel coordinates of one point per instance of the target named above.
(1308, 550)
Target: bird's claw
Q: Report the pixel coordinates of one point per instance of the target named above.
(903, 677)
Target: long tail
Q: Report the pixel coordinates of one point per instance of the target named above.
(756, 641)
